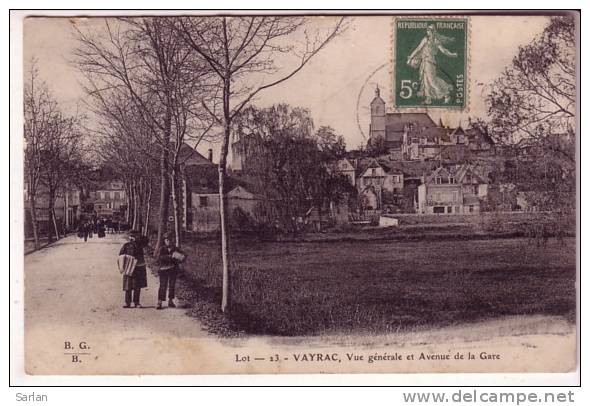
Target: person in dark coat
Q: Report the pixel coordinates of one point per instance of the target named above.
(167, 271)
(133, 284)
(81, 230)
(100, 229)
(84, 231)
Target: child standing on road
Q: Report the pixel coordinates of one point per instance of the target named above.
(168, 270)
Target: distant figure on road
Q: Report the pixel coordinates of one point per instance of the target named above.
(132, 284)
(167, 271)
(100, 229)
(83, 231)
(109, 226)
(90, 227)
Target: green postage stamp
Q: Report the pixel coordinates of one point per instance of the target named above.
(430, 62)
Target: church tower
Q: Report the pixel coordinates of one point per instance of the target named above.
(377, 127)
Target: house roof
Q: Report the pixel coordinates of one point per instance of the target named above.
(364, 164)
(344, 164)
(474, 134)
(464, 173)
(190, 156)
(110, 185)
(410, 169)
(240, 192)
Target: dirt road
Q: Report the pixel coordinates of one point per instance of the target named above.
(74, 294)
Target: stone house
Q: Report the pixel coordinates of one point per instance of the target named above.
(374, 180)
(455, 189)
(109, 200)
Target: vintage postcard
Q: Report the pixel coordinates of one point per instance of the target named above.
(210, 194)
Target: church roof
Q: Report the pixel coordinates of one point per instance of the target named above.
(397, 121)
(420, 125)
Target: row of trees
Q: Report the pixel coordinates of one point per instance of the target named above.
(155, 83)
(54, 150)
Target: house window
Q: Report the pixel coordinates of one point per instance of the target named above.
(203, 201)
(454, 196)
(449, 209)
(438, 199)
(117, 195)
(107, 195)
(451, 179)
(438, 210)
(373, 173)
(470, 208)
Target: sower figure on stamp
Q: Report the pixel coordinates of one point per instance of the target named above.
(432, 87)
(168, 270)
(133, 284)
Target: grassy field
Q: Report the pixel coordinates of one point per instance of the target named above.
(379, 287)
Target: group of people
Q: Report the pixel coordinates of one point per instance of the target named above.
(87, 229)
(168, 267)
(100, 227)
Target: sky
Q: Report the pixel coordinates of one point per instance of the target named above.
(336, 86)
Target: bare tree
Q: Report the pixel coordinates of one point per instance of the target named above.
(241, 50)
(53, 148)
(62, 157)
(40, 110)
(126, 145)
(147, 58)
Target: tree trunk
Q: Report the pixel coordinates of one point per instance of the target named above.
(135, 206)
(128, 199)
(175, 207)
(226, 285)
(34, 223)
(140, 204)
(52, 212)
(66, 214)
(147, 209)
(227, 277)
(164, 186)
